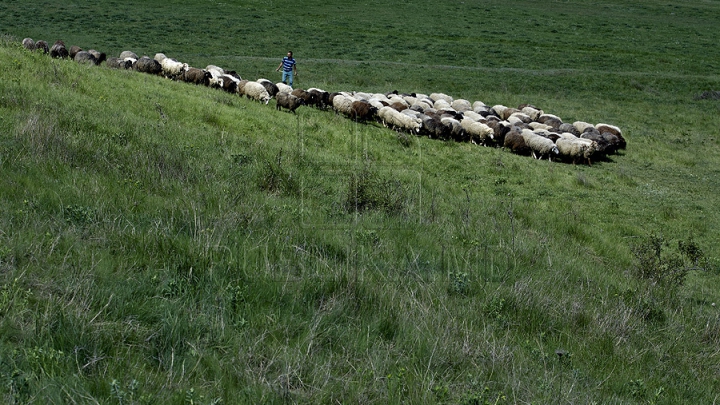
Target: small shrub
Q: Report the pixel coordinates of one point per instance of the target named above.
(370, 191)
(276, 179)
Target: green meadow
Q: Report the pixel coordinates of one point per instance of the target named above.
(164, 243)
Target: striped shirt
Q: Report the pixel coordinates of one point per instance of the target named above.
(288, 64)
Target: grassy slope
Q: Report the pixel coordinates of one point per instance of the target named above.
(187, 240)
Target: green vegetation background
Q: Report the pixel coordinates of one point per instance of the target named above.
(165, 243)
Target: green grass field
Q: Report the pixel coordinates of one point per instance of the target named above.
(167, 243)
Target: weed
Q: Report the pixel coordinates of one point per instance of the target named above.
(368, 190)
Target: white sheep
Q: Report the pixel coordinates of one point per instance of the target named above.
(256, 91)
(376, 103)
(479, 132)
(440, 96)
(172, 69)
(538, 126)
(479, 106)
(474, 116)
(218, 69)
(539, 145)
(390, 117)
(524, 118)
(531, 112)
(442, 104)
(422, 105)
(499, 110)
(342, 103)
(461, 105)
(159, 57)
(358, 95)
(128, 54)
(581, 126)
(609, 128)
(282, 87)
(575, 148)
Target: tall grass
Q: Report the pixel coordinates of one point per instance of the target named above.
(166, 243)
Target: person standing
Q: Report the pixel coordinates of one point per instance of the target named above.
(289, 68)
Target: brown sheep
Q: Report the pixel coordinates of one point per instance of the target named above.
(288, 101)
(74, 51)
(42, 46)
(362, 111)
(307, 97)
(197, 76)
(515, 141)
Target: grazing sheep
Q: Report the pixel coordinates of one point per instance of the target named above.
(581, 126)
(613, 130)
(362, 111)
(128, 54)
(440, 96)
(282, 87)
(288, 101)
(536, 125)
(42, 46)
(216, 80)
(84, 57)
(432, 125)
(457, 132)
(532, 112)
(500, 129)
(474, 116)
(391, 117)
(310, 98)
(574, 148)
(442, 104)
(322, 97)
(461, 105)
(241, 87)
(159, 57)
(519, 116)
(569, 128)
(28, 44)
(100, 57)
(508, 112)
(230, 83)
(342, 104)
(539, 145)
(73, 51)
(271, 88)
(117, 63)
(479, 133)
(147, 65)
(256, 91)
(515, 142)
(197, 76)
(59, 51)
(172, 69)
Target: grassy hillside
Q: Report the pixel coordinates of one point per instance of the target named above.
(166, 243)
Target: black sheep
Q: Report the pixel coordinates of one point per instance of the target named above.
(58, 50)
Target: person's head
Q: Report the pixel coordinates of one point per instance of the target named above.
(289, 54)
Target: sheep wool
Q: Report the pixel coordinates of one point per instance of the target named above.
(256, 91)
(539, 145)
(479, 133)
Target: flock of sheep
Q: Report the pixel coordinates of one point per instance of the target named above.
(526, 130)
